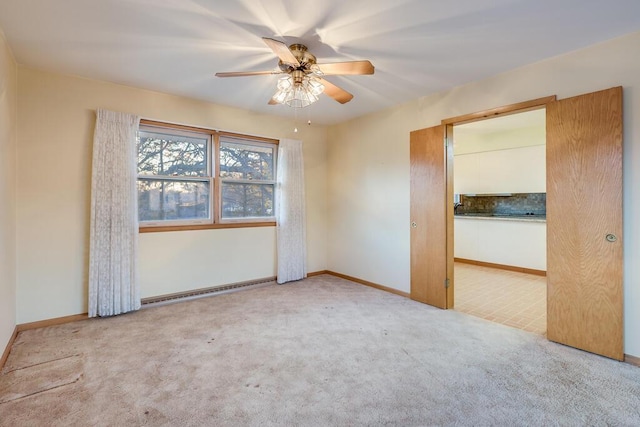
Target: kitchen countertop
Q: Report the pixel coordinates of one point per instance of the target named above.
(524, 218)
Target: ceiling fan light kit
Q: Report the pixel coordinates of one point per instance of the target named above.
(303, 83)
(298, 93)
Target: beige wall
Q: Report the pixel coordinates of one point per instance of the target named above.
(472, 142)
(56, 117)
(369, 163)
(514, 170)
(8, 90)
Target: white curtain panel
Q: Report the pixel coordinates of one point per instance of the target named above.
(290, 212)
(113, 284)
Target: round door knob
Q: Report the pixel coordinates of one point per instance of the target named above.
(414, 225)
(611, 238)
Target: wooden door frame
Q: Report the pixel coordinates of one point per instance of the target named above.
(520, 107)
(448, 135)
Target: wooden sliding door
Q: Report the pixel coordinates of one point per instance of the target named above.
(429, 217)
(584, 222)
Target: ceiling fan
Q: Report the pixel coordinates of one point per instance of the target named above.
(303, 81)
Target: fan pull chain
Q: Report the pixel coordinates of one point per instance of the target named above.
(295, 118)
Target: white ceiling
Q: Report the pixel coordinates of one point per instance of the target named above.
(418, 47)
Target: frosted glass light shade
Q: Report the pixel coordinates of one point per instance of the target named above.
(298, 95)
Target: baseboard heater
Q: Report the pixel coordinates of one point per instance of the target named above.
(203, 292)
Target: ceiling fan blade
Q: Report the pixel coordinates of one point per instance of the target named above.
(339, 94)
(273, 102)
(282, 51)
(246, 73)
(346, 68)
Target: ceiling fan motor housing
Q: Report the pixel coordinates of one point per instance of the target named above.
(303, 56)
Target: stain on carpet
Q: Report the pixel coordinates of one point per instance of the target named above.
(31, 380)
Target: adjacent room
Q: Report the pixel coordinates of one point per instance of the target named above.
(266, 213)
(500, 233)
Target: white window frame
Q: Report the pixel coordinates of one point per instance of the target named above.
(209, 178)
(241, 140)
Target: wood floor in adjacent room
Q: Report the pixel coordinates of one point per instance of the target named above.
(511, 298)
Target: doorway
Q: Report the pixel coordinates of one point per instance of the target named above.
(584, 217)
(499, 180)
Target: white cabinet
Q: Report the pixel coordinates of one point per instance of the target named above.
(507, 242)
(516, 170)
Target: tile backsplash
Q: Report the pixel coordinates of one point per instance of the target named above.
(514, 204)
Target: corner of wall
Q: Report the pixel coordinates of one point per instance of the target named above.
(8, 144)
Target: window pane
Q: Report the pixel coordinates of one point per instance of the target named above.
(175, 155)
(247, 200)
(172, 200)
(243, 161)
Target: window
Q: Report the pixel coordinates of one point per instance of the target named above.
(195, 178)
(248, 178)
(174, 176)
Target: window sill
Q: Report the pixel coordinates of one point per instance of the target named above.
(158, 229)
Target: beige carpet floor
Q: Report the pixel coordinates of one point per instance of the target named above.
(319, 352)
